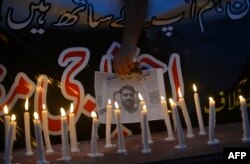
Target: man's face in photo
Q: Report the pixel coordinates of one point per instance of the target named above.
(128, 98)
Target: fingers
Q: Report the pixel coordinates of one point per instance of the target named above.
(122, 65)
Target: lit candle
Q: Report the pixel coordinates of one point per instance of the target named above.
(72, 130)
(178, 125)
(198, 111)
(27, 129)
(108, 124)
(167, 120)
(142, 103)
(119, 129)
(39, 139)
(10, 139)
(245, 120)
(65, 137)
(144, 122)
(93, 148)
(185, 115)
(46, 130)
(211, 135)
(6, 123)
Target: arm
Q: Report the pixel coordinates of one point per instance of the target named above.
(135, 12)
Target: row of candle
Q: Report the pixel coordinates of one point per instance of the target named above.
(177, 122)
(39, 127)
(144, 125)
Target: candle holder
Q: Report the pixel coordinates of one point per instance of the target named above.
(167, 120)
(198, 111)
(72, 130)
(121, 148)
(245, 120)
(213, 142)
(46, 130)
(211, 135)
(65, 137)
(185, 113)
(144, 122)
(93, 144)
(92, 155)
(108, 125)
(38, 134)
(176, 116)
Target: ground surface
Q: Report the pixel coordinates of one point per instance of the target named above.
(197, 151)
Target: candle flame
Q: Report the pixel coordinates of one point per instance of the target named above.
(26, 105)
(211, 99)
(171, 101)
(241, 97)
(71, 108)
(109, 102)
(179, 92)
(5, 109)
(144, 107)
(93, 114)
(13, 117)
(36, 115)
(140, 97)
(116, 105)
(63, 112)
(44, 107)
(162, 98)
(195, 88)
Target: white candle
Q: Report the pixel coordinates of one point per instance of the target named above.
(178, 125)
(108, 124)
(46, 130)
(65, 137)
(119, 129)
(72, 130)
(198, 111)
(167, 120)
(144, 122)
(211, 135)
(6, 123)
(245, 120)
(93, 144)
(27, 129)
(10, 139)
(185, 115)
(142, 103)
(39, 139)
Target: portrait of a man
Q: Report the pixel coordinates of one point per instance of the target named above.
(109, 86)
(129, 98)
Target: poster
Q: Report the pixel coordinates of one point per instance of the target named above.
(125, 91)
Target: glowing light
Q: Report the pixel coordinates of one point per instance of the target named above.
(171, 101)
(63, 112)
(211, 99)
(140, 96)
(26, 105)
(44, 106)
(116, 105)
(13, 117)
(36, 115)
(179, 92)
(194, 88)
(5, 109)
(241, 97)
(93, 114)
(71, 108)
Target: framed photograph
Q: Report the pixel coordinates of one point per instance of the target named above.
(125, 91)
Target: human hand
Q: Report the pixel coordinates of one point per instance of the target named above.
(124, 61)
